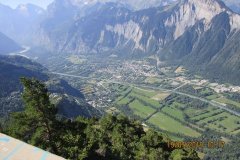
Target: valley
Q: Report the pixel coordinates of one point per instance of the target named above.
(104, 66)
(165, 97)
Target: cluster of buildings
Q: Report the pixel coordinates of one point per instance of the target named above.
(129, 69)
(219, 88)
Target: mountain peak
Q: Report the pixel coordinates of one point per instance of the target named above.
(188, 12)
(206, 8)
(29, 9)
(209, 2)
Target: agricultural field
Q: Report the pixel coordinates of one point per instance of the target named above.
(223, 122)
(212, 97)
(141, 110)
(167, 123)
(193, 112)
(124, 101)
(129, 93)
(208, 113)
(228, 101)
(76, 59)
(175, 113)
(161, 96)
(152, 80)
(145, 99)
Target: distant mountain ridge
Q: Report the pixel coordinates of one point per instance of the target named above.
(20, 23)
(8, 45)
(77, 28)
(132, 4)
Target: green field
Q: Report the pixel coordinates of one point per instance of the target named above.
(146, 99)
(236, 131)
(224, 122)
(128, 93)
(152, 80)
(165, 122)
(173, 111)
(145, 102)
(207, 114)
(228, 101)
(121, 88)
(212, 97)
(123, 101)
(140, 109)
(192, 112)
(161, 96)
(144, 92)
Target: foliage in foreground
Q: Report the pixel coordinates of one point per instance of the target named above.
(109, 138)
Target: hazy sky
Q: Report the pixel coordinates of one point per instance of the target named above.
(14, 3)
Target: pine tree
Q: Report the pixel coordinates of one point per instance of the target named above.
(111, 137)
(36, 123)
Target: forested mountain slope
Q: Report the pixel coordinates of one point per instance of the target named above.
(70, 101)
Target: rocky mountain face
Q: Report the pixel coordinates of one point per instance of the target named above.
(143, 4)
(131, 4)
(7, 45)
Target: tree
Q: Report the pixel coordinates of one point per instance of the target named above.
(1, 128)
(111, 137)
(36, 123)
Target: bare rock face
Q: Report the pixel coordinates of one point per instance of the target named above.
(192, 11)
(111, 25)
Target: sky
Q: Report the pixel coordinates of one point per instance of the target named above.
(15, 3)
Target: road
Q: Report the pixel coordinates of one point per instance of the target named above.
(213, 103)
(74, 76)
(21, 53)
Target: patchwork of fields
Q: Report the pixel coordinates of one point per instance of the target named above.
(176, 115)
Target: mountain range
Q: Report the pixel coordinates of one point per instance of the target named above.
(20, 23)
(202, 35)
(199, 34)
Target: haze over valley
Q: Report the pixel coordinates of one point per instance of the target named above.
(172, 65)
